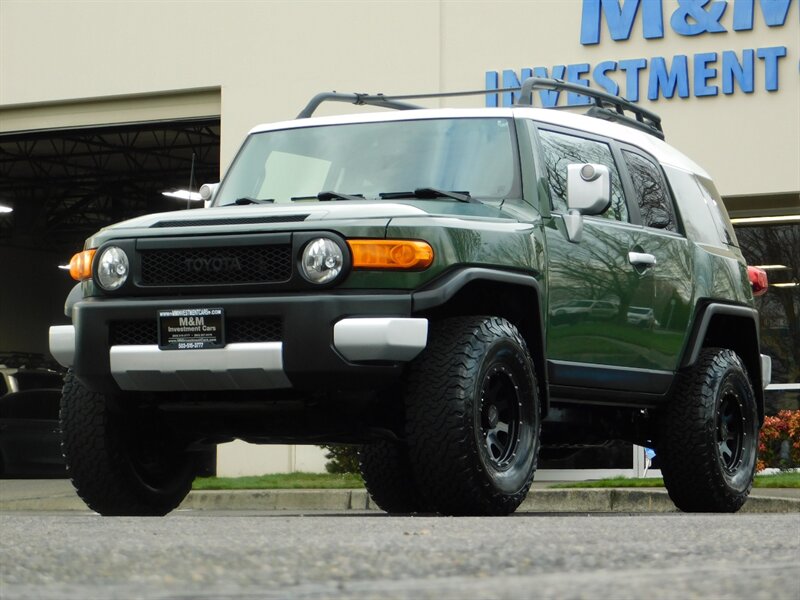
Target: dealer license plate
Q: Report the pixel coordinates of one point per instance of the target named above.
(191, 329)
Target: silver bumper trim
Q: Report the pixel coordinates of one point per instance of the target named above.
(62, 344)
(766, 370)
(384, 338)
(252, 366)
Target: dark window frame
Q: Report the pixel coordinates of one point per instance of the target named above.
(535, 129)
(634, 196)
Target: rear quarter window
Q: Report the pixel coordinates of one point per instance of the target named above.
(694, 205)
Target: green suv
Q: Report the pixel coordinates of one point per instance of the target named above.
(451, 289)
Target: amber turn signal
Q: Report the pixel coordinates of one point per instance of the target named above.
(390, 254)
(80, 267)
(758, 280)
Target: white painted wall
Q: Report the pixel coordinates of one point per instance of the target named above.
(269, 57)
(237, 459)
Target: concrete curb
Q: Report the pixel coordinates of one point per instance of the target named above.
(609, 500)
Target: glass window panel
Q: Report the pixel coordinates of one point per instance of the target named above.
(776, 246)
(651, 193)
(561, 150)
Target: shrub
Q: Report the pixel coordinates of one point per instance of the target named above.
(341, 459)
(779, 442)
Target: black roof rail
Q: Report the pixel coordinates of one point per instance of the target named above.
(605, 106)
(358, 99)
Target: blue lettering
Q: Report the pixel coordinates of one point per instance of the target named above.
(702, 73)
(549, 98)
(492, 83)
(603, 80)
(733, 70)
(770, 56)
(692, 18)
(574, 73)
(510, 81)
(631, 69)
(666, 81)
(620, 19)
(774, 12)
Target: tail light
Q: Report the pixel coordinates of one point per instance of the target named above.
(758, 280)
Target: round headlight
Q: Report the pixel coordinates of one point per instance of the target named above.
(112, 268)
(322, 260)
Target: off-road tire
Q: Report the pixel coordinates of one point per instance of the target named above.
(474, 372)
(386, 471)
(708, 442)
(110, 466)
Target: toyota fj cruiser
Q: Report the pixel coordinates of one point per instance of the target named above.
(452, 289)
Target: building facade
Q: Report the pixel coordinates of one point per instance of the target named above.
(85, 85)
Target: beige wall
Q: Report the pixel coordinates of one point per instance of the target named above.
(268, 58)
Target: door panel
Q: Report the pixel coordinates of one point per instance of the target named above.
(600, 305)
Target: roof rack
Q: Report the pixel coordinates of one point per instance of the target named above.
(358, 99)
(605, 106)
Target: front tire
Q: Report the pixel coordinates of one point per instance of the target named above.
(386, 471)
(120, 463)
(473, 417)
(709, 435)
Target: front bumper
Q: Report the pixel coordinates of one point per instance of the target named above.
(329, 341)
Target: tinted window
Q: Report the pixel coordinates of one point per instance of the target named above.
(717, 210)
(561, 150)
(467, 155)
(651, 192)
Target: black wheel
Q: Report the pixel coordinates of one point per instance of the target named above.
(120, 462)
(709, 435)
(473, 417)
(387, 476)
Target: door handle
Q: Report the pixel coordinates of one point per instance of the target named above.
(641, 259)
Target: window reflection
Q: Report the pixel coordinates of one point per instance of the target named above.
(651, 192)
(561, 150)
(778, 247)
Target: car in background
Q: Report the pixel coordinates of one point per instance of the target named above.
(30, 440)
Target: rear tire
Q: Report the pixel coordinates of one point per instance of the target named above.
(120, 463)
(709, 435)
(473, 417)
(387, 476)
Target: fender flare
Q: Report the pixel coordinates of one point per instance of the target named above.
(442, 289)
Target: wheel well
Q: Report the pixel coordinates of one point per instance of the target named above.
(518, 304)
(739, 334)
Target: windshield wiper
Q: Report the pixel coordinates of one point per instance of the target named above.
(248, 200)
(324, 196)
(331, 195)
(429, 193)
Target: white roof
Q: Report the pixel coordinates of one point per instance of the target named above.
(662, 151)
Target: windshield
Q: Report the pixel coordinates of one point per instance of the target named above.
(474, 156)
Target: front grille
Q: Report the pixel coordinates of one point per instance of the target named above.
(237, 330)
(133, 333)
(203, 266)
(265, 329)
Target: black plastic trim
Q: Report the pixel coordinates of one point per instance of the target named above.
(609, 377)
(701, 323)
(442, 289)
(309, 358)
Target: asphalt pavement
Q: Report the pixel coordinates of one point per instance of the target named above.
(59, 495)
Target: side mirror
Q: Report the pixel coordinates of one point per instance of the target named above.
(588, 188)
(207, 192)
(588, 193)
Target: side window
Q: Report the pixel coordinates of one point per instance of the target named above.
(717, 210)
(561, 150)
(651, 192)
